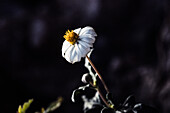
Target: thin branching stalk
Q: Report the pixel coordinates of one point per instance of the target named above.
(101, 95)
(99, 75)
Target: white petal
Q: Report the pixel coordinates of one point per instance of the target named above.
(68, 53)
(80, 51)
(73, 56)
(85, 44)
(77, 49)
(83, 49)
(87, 38)
(88, 30)
(65, 47)
(77, 31)
(78, 56)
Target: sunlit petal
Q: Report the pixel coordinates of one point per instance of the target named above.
(85, 44)
(88, 39)
(87, 36)
(68, 53)
(88, 30)
(74, 56)
(83, 50)
(77, 31)
(65, 47)
(78, 52)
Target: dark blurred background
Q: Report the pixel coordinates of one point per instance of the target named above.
(132, 51)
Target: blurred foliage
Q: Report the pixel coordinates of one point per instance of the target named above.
(53, 106)
(25, 106)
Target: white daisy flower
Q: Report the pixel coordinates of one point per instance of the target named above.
(78, 43)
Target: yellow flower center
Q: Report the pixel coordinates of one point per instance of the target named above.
(71, 37)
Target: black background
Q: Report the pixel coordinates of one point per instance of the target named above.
(131, 51)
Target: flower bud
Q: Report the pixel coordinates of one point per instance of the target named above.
(86, 78)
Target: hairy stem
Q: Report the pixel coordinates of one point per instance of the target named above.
(100, 77)
(101, 95)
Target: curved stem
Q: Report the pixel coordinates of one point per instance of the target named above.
(100, 77)
(100, 93)
(104, 100)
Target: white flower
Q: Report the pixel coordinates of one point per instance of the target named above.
(78, 43)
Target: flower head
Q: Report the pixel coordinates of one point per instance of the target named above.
(78, 43)
(71, 37)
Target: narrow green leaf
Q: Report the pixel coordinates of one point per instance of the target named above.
(26, 105)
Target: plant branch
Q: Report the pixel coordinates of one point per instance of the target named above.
(100, 93)
(100, 77)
